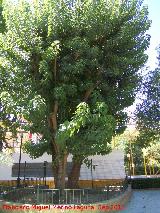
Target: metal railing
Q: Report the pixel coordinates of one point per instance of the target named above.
(37, 195)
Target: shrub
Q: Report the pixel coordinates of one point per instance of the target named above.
(145, 183)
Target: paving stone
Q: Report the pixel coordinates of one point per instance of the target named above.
(144, 201)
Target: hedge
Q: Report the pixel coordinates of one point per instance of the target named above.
(145, 183)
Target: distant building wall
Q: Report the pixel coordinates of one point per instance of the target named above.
(6, 171)
(110, 166)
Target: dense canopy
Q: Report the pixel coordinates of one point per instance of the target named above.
(71, 69)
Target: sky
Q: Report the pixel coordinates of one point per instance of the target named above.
(154, 31)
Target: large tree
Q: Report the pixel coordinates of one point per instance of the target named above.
(71, 69)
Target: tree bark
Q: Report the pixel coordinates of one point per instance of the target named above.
(59, 169)
(73, 177)
(59, 156)
(1, 146)
(61, 172)
(89, 91)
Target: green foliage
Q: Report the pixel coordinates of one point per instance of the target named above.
(36, 150)
(8, 123)
(2, 21)
(127, 142)
(145, 183)
(153, 151)
(54, 52)
(68, 129)
(153, 157)
(5, 159)
(148, 112)
(96, 134)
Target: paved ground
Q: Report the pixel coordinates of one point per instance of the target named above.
(144, 201)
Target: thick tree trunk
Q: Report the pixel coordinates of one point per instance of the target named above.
(73, 177)
(61, 172)
(55, 172)
(59, 156)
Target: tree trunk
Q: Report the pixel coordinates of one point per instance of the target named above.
(1, 146)
(55, 172)
(59, 156)
(73, 177)
(61, 172)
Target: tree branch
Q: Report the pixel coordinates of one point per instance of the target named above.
(53, 124)
(55, 69)
(89, 91)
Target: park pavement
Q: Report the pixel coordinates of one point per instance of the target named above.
(143, 201)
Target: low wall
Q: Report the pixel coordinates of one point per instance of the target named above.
(82, 183)
(112, 205)
(99, 183)
(50, 183)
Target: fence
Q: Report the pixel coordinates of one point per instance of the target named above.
(37, 195)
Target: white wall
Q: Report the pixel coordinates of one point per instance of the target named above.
(112, 168)
(6, 171)
(109, 166)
